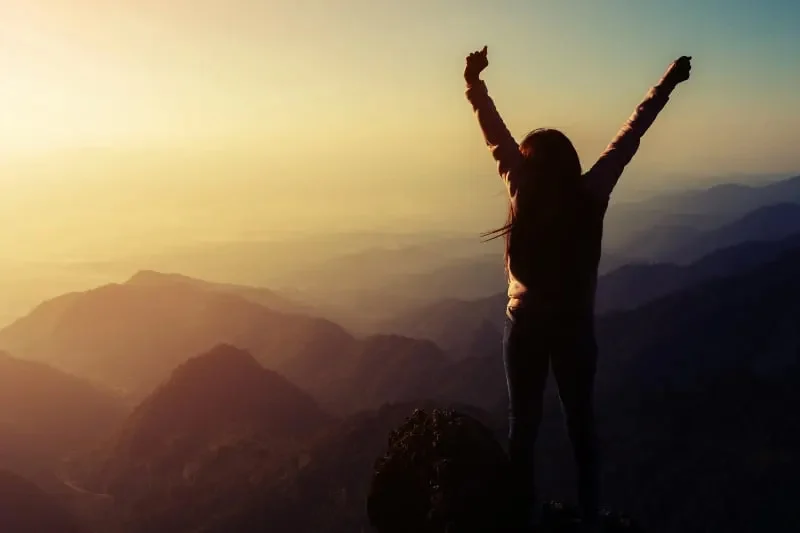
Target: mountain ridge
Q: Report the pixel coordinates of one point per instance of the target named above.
(25, 508)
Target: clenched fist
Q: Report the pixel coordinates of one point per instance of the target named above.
(476, 62)
(679, 70)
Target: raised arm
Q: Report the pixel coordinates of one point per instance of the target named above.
(603, 176)
(499, 140)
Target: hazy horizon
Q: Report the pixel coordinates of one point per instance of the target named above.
(139, 125)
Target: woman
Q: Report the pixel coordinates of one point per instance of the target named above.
(553, 240)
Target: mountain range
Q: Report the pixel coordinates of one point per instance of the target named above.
(24, 507)
(702, 209)
(220, 425)
(462, 326)
(46, 414)
(692, 393)
(680, 379)
(687, 244)
(130, 336)
(167, 404)
(265, 297)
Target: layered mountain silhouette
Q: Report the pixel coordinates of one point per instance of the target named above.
(726, 307)
(667, 216)
(330, 492)
(46, 414)
(693, 390)
(463, 327)
(698, 375)
(732, 200)
(672, 228)
(132, 335)
(769, 223)
(747, 321)
(469, 277)
(683, 242)
(220, 392)
(220, 425)
(458, 326)
(636, 284)
(392, 262)
(400, 278)
(25, 508)
(267, 298)
(368, 372)
(703, 375)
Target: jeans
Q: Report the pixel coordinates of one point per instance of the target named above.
(531, 343)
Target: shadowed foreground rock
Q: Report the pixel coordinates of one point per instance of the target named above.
(445, 472)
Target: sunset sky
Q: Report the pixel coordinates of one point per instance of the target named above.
(176, 117)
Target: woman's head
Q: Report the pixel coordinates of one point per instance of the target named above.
(549, 155)
(551, 169)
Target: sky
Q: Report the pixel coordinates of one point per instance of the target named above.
(156, 121)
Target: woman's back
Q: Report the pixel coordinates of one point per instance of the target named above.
(554, 253)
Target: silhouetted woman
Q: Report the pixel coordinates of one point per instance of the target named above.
(553, 239)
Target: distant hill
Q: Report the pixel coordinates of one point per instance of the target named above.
(701, 364)
(683, 212)
(635, 284)
(131, 336)
(410, 278)
(768, 223)
(24, 508)
(46, 414)
(458, 326)
(220, 418)
(396, 280)
(390, 261)
(265, 297)
(464, 328)
(317, 270)
(366, 309)
(657, 242)
(748, 321)
(368, 372)
(221, 391)
(311, 261)
(729, 199)
(470, 278)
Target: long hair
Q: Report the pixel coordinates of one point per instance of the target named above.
(551, 167)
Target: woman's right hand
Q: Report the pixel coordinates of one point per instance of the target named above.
(476, 62)
(679, 70)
